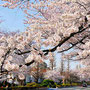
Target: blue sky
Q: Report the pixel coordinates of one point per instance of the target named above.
(13, 21)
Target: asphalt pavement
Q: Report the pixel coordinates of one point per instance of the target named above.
(71, 88)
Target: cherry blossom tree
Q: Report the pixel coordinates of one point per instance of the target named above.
(53, 75)
(52, 63)
(63, 25)
(37, 71)
(84, 71)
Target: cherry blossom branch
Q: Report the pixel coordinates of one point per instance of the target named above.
(74, 44)
(82, 5)
(79, 48)
(80, 58)
(5, 58)
(65, 39)
(53, 49)
(19, 52)
(28, 64)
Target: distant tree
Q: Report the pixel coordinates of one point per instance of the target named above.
(38, 70)
(52, 62)
(53, 75)
(73, 78)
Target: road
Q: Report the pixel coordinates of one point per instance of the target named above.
(71, 88)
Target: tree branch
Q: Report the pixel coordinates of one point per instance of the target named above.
(64, 40)
(28, 64)
(74, 44)
(24, 52)
(5, 58)
(53, 49)
(82, 5)
(80, 58)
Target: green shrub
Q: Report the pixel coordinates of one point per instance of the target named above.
(58, 85)
(88, 83)
(20, 86)
(66, 85)
(33, 84)
(2, 88)
(48, 83)
(16, 87)
(74, 84)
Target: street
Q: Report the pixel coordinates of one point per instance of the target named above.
(71, 88)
